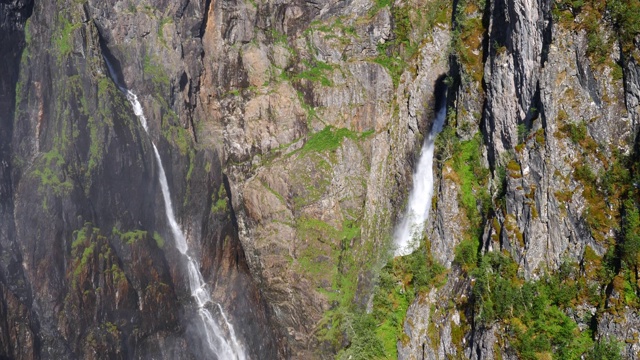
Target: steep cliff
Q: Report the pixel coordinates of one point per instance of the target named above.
(545, 257)
(89, 264)
(289, 133)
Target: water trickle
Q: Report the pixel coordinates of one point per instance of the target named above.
(409, 232)
(214, 334)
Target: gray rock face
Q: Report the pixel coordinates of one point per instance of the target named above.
(539, 83)
(512, 70)
(622, 326)
(89, 268)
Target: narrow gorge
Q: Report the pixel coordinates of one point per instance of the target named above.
(348, 179)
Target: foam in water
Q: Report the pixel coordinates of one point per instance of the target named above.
(214, 334)
(409, 232)
(137, 109)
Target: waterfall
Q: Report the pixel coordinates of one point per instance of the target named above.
(408, 234)
(214, 333)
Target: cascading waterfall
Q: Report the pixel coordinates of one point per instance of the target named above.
(214, 334)
(409, 232)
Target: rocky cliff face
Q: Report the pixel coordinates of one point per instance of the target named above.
(289, 132)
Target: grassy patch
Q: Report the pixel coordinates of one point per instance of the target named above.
(465, 159)
(375, 335)
(316, 72)
(63, 36)
(154, 72)
(467, 36)
(50, 171)
(219, 201)
(130, 237)
(176, 134)
(330, 139)
(158, 239)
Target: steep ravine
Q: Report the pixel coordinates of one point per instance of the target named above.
(288, 135)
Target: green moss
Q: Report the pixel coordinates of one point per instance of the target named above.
(316, 72)
(273, 192)
(219, 200)
(378, 5)
(130, 237)
(158, 239)
(278, 37)
(473, 177)
(154, 72)
(62, 37)
(466, 38)
(392, 61)
(164, 21)
(176, 134)
(329, 139)
(49, 170)
(84, 246)
(80, 236)
(112, 328)
(117, 274)
(540, 137)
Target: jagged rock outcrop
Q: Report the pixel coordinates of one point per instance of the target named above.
(557, 120)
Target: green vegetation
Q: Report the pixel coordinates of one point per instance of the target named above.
(164, 21)
(278, 37)
(176, 134)
(605, 349)
(219, 201)
(379, 5)
(83, 247)
(329, 139)
(391, 60)
(577, 131)
(622, 14)
(155, 72)
(375, 335)
(63, 36)
(158, 239)
(411, 26)
(315, 72)
(474, 177)
(130, 237)
(625, 15)
(467, 36)
(435, 12)
(49, 172)
(535, 310)
(464, 159)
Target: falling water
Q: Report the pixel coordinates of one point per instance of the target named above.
(215, 337)
(409, 232)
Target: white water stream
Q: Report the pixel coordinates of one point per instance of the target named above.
(408, 234)
(214, 333)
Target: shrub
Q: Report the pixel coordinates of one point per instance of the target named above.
(605, 349)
